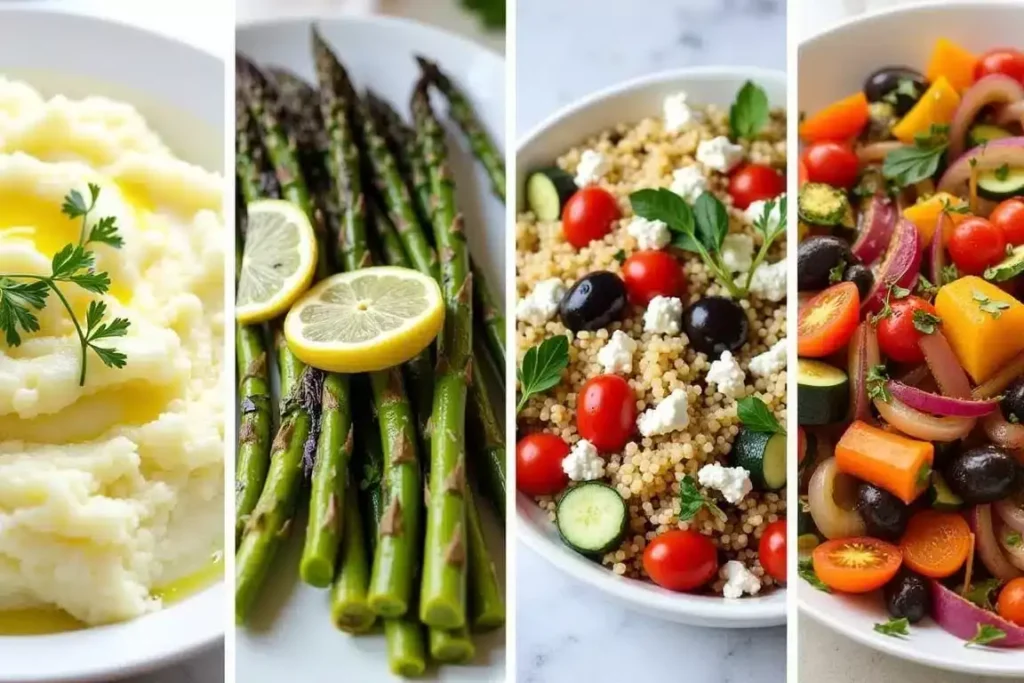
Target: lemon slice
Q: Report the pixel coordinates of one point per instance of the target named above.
(278, 261)
(366, 320)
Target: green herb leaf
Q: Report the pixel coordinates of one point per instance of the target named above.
(805, 568)
(894, 627)
(986, 635)
(949, 274)
(748, 115)
(876, 383)
(914, 163)
(1003, 172)
(1013, 539)
(981, 593)
(105, 232)
(542, 367)
(993, 308)
(691, 500)
(665, 206)
(619, 256)
(755, 416)
(74, 205)
(17, 299)
(925, 322)
(712, 221)
(836, 274)
(961, 207)
(893, 292)
(925, 288)
(763, 223)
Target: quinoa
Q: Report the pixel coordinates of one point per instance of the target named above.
(649, 470)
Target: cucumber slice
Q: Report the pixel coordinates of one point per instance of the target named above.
(941, 496)
(807, 534)
(823, 393)
(592, 518)
(985, 132)
(547, 191)
(763, 455)
(1009, 268)
(1001, 183)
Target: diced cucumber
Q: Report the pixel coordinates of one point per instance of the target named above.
(983, 133)
(592, 518)
(547, 191)
(941, 496)
(823, 395)
(1001, 183)
(1009, 268)
(763, 455)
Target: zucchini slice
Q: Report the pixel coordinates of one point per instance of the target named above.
(592, 518)
(984, 133)
(547, 191)
(1009, 268)
(823, 393)
(1001, 183)
(941, 497)
(763, 455)
(821, 204)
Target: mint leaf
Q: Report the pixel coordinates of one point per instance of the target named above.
(748, 115)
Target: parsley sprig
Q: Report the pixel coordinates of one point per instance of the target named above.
(876, 382)
(755, 416)
(805, 568)
(897, 628)
(691, 501)
(542, 368)
(986, 635)
(703, 228)
(22, 295)
(987, 305)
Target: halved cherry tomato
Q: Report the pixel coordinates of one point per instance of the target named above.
(856, 565)
(975, 245)
(652, 273)
(1009, 218)
(1007, 61)
(681, 560)
(936, 544)
(827, 321)
(841, 120)
(772, 550)
(832, 163)
(539, 464)
(897, 334)
(755, 182)
(588, 216)
(606, 412)
(1010, 604)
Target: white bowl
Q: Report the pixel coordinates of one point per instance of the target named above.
(834, 64)
(291, 630)
(180, 91)
(572, 125)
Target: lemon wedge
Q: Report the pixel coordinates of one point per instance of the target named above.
(366, 320)
(278, 261)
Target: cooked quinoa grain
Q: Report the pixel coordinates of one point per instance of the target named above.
(649, 470)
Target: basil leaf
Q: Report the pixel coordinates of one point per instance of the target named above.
(748, 115)
(542, 367)
(712, 221)
(755, 416)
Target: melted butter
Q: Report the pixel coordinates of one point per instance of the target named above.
(43, 621)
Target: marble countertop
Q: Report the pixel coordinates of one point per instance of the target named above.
(566, 631)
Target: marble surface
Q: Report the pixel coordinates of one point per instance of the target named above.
(565, 50)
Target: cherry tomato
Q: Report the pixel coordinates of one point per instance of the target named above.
(827, 321)
(832, 163)
(975, 245)
(681, 560)
(897, 334)
(1007, 61)
(606, 412)
(1009, 218)
(755, 182)
(1010, 604)
(588, 216)
(652, 273)
(803, 176)
(772, 550)
(539, 464)
(856, 565)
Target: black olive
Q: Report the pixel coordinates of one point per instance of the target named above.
(715, 324)
(884, 514)
(900, 86)
(861, 276)
(817, 257)
(982, 475)
(594, 301)
(908, 595)
(1013, 402)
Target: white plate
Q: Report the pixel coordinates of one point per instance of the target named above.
(633, 101)
(180, 91)
(292, 630)
(835, 64)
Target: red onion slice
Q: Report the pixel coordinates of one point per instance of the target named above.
(934, 404)
(990, 90)
(1010, 114)
(899, 267)
(876, 226)
(1014, 552)
(944, 365)
(1003, 433)
(962, 618)
(1011, 511)
(860, 404)
(987, 545)
(1009, 151)
(921, 425)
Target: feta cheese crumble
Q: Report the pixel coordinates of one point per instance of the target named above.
(678, 114)
(689, 182)
(769, 281)
(542, 303)
(754, 211)
(739, 580)
(617, 354)
(592, 167)
(668, 416)
(738, 252)
(648, 234)
(664, 315)
(727, 374)
(719, 154)
(583, 462)
(733, 482)
(771, 361)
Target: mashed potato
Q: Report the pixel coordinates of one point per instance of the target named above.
(110, 490)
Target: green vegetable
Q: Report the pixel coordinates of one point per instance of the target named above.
(926, 322)
(754, 415)
(894, 627)
(691, 500)
(748, 115)
(805, 568)
(592, 518)
(821, 204)
(763, 454)
(1008, 268)
(986, 635)
(981, 593)
(23, 294)
(941, 496)
(824, 393)
(908, 165)
(542, 368)
(877, 383)
(835, 276)
(993, 308)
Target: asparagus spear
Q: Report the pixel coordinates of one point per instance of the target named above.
(350, 610)
(461, 110)
(486, 597)
(443, 591)
(406, 648)
(486, 431)
(451, 647)
(272, 516)
(492, 320)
